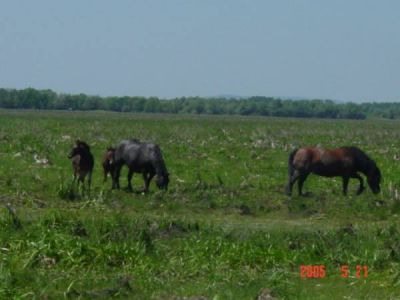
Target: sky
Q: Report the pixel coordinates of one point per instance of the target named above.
(345, 50)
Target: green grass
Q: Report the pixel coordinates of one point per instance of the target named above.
(224, 229)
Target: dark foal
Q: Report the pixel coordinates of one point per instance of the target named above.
(108, 162)
(82, 162)
(345, 162)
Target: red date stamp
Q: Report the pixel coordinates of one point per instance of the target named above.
(320, 271)
(311, 271)
(360, 271)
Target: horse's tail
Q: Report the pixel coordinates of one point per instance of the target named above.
(290, 162)
(290, 172)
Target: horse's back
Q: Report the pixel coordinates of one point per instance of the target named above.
(326, 162)
(133, 152)
(122, 149)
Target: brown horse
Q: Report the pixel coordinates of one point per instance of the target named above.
(82, 162)
(345, 162)
(108, 162)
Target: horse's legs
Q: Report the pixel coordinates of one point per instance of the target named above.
(146, 182)
(147, 178)
(81, 177)
(130, 174)
(105, 170)
(75, 175)
(89, 179)
(361, 187)
(302, 178)
(115, 176)
(345, 184)
(80, 183)
(292, 180)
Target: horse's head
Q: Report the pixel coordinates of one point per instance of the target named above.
(162, 181)
(79, 148)
(374, 180)
(109, 156)
(74, 152)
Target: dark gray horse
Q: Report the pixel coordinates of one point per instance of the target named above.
(140, 157)
(82, 162)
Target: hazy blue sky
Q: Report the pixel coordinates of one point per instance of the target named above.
(341, 49)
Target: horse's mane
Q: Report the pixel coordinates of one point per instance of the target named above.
(362, 159)
(358, 152)
(83, 144)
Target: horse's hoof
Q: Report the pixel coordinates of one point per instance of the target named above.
(359, 192)
(141, 192)
(306, 194)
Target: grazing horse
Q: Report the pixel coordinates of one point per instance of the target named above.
(82, 162)
(144, 158)
(108, 162)
(345, 162)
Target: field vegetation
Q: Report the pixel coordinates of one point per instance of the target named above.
(223, 230)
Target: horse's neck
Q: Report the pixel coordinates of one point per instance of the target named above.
(158, 162)
(160, 167)
(86, 154)
(366, 166)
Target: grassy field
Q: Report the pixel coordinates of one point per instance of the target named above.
(223, 230)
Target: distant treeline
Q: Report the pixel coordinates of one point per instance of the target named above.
(262, 106)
